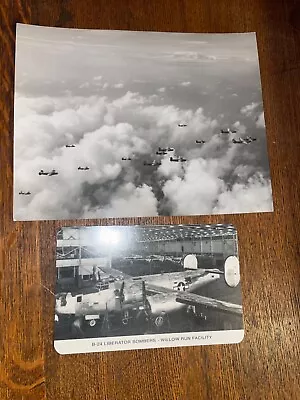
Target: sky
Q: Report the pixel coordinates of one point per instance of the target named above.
(117, 94)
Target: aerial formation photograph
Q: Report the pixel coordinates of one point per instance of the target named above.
(129, 124)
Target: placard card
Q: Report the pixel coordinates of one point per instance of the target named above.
(132, 287)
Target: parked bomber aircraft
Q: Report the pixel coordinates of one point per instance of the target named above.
(152, 297)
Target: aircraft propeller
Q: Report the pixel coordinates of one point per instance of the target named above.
(145, 308)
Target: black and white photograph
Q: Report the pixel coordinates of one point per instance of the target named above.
(134, 124)
(129, 287)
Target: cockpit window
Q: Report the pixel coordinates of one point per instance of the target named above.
(63, 301)
(79, 299)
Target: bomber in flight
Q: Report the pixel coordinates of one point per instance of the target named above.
(126, 159)
(165, 149)
(154, 163)
(250, 139)
(228, 130)
(83, 168)
(177, 159)
(25, 193)
(239, 141)
(246, 140)
(182, 125)
(49, 173)
(70, 145)
(161, 153)
(200, 141)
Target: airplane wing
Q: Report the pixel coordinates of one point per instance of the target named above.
(115, 273)
(195, 299)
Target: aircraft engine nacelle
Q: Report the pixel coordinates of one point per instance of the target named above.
(232, 271)
(190, 262)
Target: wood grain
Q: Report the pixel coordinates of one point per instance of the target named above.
(266, 364)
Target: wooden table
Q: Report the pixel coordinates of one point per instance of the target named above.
(266, 364)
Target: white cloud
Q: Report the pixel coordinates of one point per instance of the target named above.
(260, 123)
(97, 78)
(106, 85)
(128, 200)
(168, 169)
(161, 90)
(244, 171)
(118, 85)
(104, 131)
(253, 196)
(249, 109)
(240, 127)
(84, 85)
(186, 83)
(196, 191)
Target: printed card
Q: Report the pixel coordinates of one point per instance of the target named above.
(133, 287)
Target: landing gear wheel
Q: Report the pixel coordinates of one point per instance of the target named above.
(92, 323)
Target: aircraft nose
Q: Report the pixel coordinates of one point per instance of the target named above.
(65, 304)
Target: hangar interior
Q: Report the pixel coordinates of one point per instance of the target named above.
(138, 250)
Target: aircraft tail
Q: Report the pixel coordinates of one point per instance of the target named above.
(231, 268)
(190, 262)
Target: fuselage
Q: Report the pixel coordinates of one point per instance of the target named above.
(110, 298)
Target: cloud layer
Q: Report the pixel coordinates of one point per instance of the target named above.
(103, 132)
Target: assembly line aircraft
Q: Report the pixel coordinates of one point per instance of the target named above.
(153, 296)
